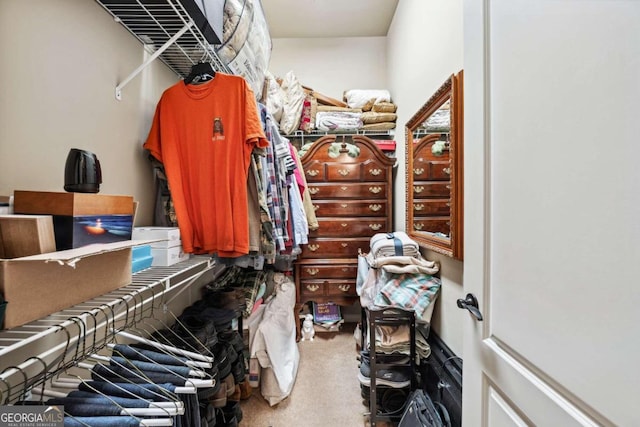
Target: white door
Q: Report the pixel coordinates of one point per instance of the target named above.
(552, 212)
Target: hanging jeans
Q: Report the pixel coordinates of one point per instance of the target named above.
(101, 421)
(135, 365)
(116, 373)
(98, 398)
(87, 408)
(136, 353)
(144, 391)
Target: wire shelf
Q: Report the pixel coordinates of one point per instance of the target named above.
(84, 320)
(167, 30)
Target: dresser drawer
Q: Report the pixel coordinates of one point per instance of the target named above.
(350, 208)
(335, 287)
(344, 271)
(439, 207)
(368, 170)
(438, 224)
(436, 170)
(376, 190)
(352, 227)
(423, 189)
(345, 288)
(335, 248)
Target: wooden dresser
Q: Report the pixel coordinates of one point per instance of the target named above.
(351, 185)
(431, 188)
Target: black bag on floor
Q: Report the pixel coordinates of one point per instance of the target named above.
(421, 411)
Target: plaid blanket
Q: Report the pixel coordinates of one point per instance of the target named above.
(408, 291)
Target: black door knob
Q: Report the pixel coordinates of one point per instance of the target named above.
(470, 303)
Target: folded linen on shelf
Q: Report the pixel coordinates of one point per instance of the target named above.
(397, 243)
(404, 264)
(338, 120)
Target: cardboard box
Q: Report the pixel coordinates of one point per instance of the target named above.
(80, 219)
(167, 237)
(24, 235)
(38, 285)
(169, 256)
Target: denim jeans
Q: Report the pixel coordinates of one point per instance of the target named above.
(191, 417)
(116, 373)
(144, 391)
(101, 421)
(86, 408)
(98, 398)
(183, 371)
(136, 353)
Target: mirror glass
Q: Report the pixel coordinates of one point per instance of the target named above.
(434, 171)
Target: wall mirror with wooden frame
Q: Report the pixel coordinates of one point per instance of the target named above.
(434, 171)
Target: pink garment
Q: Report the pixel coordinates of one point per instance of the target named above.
(297, 172)
(256, 304)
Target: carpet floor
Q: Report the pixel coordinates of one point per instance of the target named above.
(326, 392)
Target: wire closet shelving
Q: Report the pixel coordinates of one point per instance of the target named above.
(167, 31)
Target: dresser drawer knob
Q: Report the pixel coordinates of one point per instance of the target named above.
(375, 172)
(344, 288)
(418, 189)
(312, 271)
(447, 171)
(418, 206)
(345, 269)
(344, 188)
(448, 186)
(448, 204)
(312, 247)
(418, 171)
(375, 208)
(313, 172)
(343, 205)
(314, 190)
(344, 172)
(344, 245)
(316, 207)
(418, 226)
(313, 288)
(344, 225)
(375, 190)
(375, 227)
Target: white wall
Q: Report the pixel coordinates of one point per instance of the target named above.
(332, 65)
(424, 47)
(60, 63)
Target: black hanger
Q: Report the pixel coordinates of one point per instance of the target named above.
(200, 72)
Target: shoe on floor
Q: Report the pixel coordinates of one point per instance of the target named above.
(395, 377)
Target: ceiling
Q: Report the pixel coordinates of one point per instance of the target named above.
(328, 18)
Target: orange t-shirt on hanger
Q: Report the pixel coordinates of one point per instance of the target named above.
(204, 135)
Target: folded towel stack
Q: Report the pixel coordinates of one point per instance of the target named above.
(397, 243)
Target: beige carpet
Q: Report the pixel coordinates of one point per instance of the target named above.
(326, 392)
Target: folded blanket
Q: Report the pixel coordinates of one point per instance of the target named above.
(357, 98)
(334, 121)
(393, 244)
(404, 264)
(408, 291)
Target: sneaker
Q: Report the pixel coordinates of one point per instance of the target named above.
(396, 377)
(393, 401)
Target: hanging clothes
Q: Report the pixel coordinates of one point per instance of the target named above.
(204, 135)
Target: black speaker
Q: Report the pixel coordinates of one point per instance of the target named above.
(82, 172)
